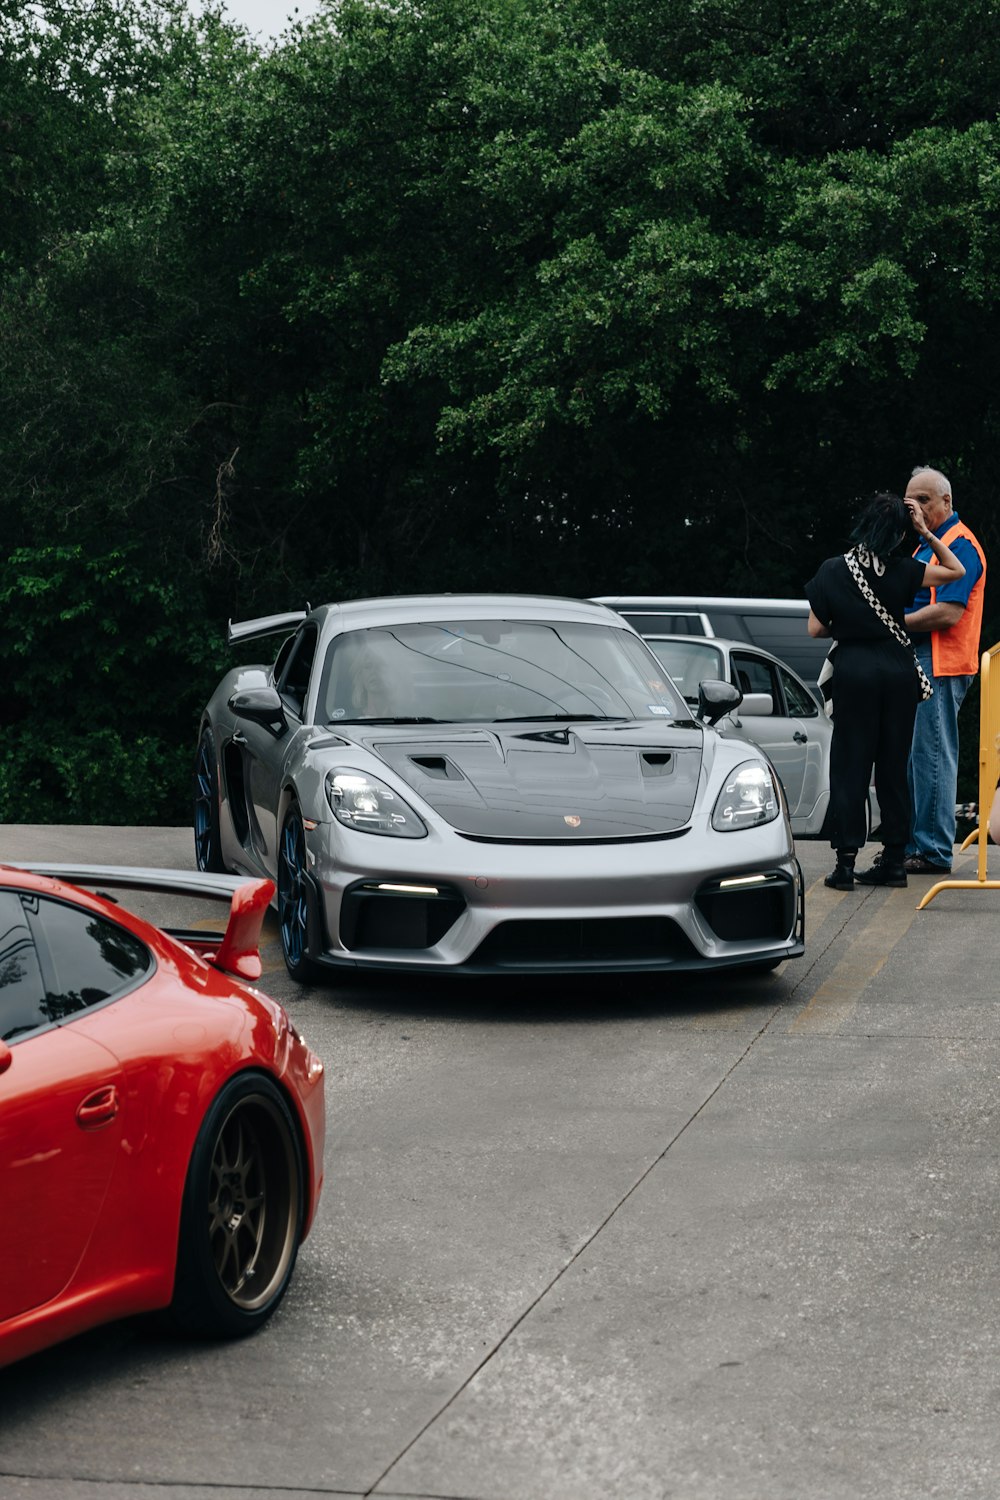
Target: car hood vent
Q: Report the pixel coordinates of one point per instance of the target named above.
(580, 784)
(437, 765)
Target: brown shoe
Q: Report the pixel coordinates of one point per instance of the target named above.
(915, 864)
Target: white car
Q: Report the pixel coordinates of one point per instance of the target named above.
(775, 625)
(778, 713)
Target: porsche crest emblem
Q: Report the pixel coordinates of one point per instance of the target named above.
(572, 820)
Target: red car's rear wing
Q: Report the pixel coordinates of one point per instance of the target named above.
(238, 950)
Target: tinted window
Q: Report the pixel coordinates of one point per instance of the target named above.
(786, 636)
(731, 626)
(664, 624)
(22, 993)
(295, 683)
(84, 959)
(778, 628)
(281, 660)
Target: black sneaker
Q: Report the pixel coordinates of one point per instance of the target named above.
(842, 878)
(883, 873)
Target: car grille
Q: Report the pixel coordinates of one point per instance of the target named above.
(738, 913)
(564, 942)
(374, 917)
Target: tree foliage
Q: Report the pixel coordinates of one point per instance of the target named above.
(516, 295)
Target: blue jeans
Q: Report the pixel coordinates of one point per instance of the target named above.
(933, 769)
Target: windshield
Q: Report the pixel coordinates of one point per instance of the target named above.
(483, 671)
(689, 662)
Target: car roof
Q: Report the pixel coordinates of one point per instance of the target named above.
(414, 608)
(700, 602)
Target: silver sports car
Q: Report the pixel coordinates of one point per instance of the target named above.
(488, 783)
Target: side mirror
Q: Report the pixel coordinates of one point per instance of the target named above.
(260, 705)
(6, 1057)
(717, 698)
(757, 706)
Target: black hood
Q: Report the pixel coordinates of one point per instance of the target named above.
(565, 782)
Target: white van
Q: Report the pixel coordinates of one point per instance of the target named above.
(777, 625)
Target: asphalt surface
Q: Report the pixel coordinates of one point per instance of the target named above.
(727, 1239)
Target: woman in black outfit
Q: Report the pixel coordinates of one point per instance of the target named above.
(875, 685)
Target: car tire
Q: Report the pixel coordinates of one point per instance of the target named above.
(242, 1213)
(207, 833)
(294, 921)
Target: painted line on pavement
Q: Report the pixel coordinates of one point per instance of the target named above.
(821, 901)
(839, 995)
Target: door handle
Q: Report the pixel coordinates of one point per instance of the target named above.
(99, 1108)
(800, 738)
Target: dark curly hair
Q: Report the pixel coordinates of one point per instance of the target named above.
(882, 524)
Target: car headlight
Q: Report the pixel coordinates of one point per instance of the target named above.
(363, 802)
(748, 798)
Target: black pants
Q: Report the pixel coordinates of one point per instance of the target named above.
(875, 696)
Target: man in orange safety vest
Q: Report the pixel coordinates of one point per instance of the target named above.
(944, 624)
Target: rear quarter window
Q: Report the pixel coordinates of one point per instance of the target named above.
(83, 958)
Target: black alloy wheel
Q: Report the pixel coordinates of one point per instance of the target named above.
(293, 899)
(207, 834)
(243, 1208)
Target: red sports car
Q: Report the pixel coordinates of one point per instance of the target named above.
(161, 1122)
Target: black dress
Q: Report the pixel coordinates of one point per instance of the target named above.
(875, 695)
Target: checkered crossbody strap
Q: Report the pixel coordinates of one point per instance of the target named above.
(851, 559)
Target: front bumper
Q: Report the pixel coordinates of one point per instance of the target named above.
(700, 900)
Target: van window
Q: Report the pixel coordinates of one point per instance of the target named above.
(773, 628)
(731, 626)
(669, 624)
(786, 636)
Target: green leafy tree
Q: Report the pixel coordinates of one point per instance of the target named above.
(102, 666)
(510, 295)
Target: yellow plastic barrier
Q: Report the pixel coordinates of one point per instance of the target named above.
(989, 768)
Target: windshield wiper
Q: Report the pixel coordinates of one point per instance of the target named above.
(399, 719)
(556, 718)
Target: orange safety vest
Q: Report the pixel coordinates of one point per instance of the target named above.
(955, 648)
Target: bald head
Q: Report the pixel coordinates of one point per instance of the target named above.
(933, 480)
(932, 492)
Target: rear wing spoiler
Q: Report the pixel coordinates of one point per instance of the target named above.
(250, 630)
(238, 951)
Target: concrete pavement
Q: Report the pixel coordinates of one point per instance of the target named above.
(731, 1238)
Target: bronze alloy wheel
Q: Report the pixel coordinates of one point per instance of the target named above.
(242, 1213)
(253, 1208)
